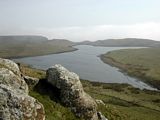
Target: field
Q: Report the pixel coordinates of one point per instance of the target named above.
(122, 101)
(143, 63)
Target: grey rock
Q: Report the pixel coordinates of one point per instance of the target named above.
(15, 103)
(9, 79)
(31, 81)
(72, 93)
(10, 65)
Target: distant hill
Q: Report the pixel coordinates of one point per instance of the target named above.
(62, 42)
(127, 42)
(22, 46)
(21, 39)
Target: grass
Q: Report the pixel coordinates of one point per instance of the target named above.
(32, 72)
(123, 102)
(143, 63)
(127, 104)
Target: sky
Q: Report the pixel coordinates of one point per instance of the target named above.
(80, 20)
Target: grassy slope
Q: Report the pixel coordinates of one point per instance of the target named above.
(143, 63)
(123, 102)
(27, 47)
(131, 103)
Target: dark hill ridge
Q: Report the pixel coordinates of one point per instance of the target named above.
(21, 39)
(127, 42)
(23, 46)
(32, 45)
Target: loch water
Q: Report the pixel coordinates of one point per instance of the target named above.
(87, 64)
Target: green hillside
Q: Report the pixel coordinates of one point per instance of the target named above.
(122, 101)
(143, 63)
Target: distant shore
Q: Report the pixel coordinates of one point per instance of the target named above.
(126, 68)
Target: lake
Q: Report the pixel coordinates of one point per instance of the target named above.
(86, 63)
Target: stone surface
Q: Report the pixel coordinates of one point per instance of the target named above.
(31, 81)
(15, 103)
(72, 93)
(9, 79)
(12, 66)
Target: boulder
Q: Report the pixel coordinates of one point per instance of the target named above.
(15, 103)
(31, 81)
(72, 93)
(12, 66)
(9, 79)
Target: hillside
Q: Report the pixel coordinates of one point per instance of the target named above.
(143, 63)
(22, 46)
(115, 101)
(127, 42)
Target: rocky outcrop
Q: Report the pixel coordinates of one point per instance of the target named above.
(72, 93)
(31, 81)
(10, 65)
(15, 103)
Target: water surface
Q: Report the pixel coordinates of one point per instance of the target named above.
(86, 63)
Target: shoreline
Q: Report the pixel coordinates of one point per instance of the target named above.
(95, 83)
(125, 69)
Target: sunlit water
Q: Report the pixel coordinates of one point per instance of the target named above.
(86, 63)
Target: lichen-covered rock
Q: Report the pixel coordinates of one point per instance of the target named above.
(12, 66)
(31, 81)
(72, 93)
(15, 103)
(9, 79)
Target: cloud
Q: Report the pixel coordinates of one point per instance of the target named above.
(149, 30)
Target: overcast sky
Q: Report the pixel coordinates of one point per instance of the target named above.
(79, 20)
